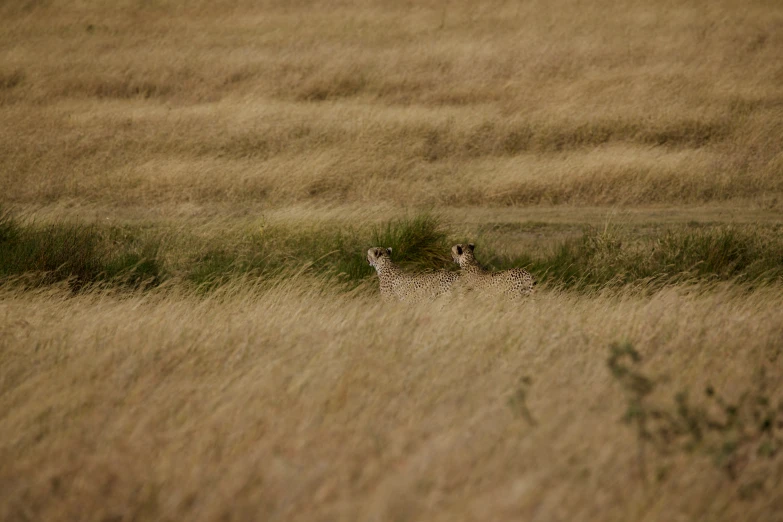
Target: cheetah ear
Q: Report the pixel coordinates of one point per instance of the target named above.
(388, 250)
(471, 246)
(459, 250)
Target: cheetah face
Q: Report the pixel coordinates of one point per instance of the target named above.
(457, 251)
(376, 253)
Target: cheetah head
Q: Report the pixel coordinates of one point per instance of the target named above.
(462, 253)
(375, 254)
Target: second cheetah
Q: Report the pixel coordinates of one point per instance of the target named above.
(515, 282)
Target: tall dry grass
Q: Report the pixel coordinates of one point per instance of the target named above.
(231, 140)
(289, 403)
(434, 104)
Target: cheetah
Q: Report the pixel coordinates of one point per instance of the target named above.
(399, 285)
(515, 282)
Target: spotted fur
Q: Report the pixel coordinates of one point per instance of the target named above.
(515, 282)
(396, 284)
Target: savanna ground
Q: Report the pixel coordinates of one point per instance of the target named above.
(188, 328)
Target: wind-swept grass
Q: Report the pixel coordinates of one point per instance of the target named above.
(723, 253)
(76, 253)
(88, 254)
(418, 243)
(246, 154)
(349, 102)
(294, 403)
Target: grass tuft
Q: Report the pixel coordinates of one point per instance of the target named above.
(608, 259)
(81, 255)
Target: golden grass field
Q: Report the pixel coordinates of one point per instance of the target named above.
(448, 103)
(210, 125)
(292, 404)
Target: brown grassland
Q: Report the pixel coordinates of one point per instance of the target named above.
(291, 404)
(235, 388)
